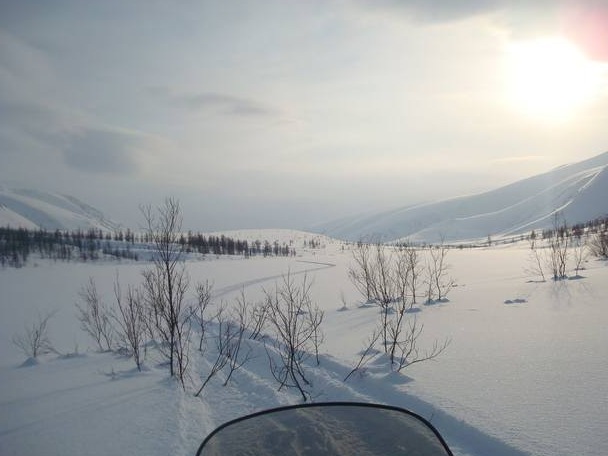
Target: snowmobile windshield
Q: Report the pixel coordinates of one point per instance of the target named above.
(327, 429)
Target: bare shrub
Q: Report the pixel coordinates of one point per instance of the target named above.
(95, 316)
(406, 352)
(409, 261)
(35, 339)
(203, 295)
(557, 258)
(296, 322)
(232, 351)
(131, 322)
(535, 259)
(373, 274)
(368, 353)
(165, 285)
(580, 253)
(221, 344)
(237, 350)
(384, 285)
(440, 283)
(393, 277)
(598, 244)
(361, 273)
(258, 317)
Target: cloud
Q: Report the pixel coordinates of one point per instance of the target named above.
(449, 10)
(42, 134)
(439, 11)
(29, 122)
(224, 103)
(32, 114)
(582, 21)
(100, 151)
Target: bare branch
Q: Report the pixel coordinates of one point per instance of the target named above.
(130, 320)
(95, 316)
(35, 340)
(203, 294)
(297, 326)
(367, 354)
(165, 286)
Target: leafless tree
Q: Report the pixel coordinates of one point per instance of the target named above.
(232, 350)
(237, 350)
(438, 270)
(130, 319)
(296, 322)
(361, 273)
(95, 316)
(535, 260)
(391, 286)
(580, 252)
(221, 344)
(557, 259)
(598, 244)
(35, 339)
(430, 283)
(406, 351)
(165, 285)
(409, 256)
(203, 295)
(383, 284)
(396, 326)
(388, 282)
(258, 316)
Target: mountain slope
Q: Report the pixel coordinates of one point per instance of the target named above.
(578, 191)
(34, 209)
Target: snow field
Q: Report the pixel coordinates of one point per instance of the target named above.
(522, 378)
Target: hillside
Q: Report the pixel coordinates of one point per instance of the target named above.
(34, 209)
(577, 191)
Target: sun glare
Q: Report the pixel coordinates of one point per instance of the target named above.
(550, 78)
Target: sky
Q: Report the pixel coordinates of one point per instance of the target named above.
(284, 114)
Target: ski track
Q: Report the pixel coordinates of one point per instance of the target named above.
(195, 417)
(376, 385)
(248, 283)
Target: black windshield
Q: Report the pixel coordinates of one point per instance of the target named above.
(327, 429)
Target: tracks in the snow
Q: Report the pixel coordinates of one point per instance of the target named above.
(248, 283)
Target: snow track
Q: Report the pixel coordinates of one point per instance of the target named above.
(258, 281)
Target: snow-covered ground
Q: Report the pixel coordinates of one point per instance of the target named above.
(525, 372)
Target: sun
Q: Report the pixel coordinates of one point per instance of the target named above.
(550, 78)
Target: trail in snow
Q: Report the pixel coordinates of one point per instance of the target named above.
(248, 283)
(253, 389)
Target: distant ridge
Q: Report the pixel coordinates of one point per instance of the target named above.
(33, 209)
(578, 191)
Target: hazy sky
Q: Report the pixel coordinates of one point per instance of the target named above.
(287, 113)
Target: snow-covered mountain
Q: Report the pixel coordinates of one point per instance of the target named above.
(578, 191)
(35, 209)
